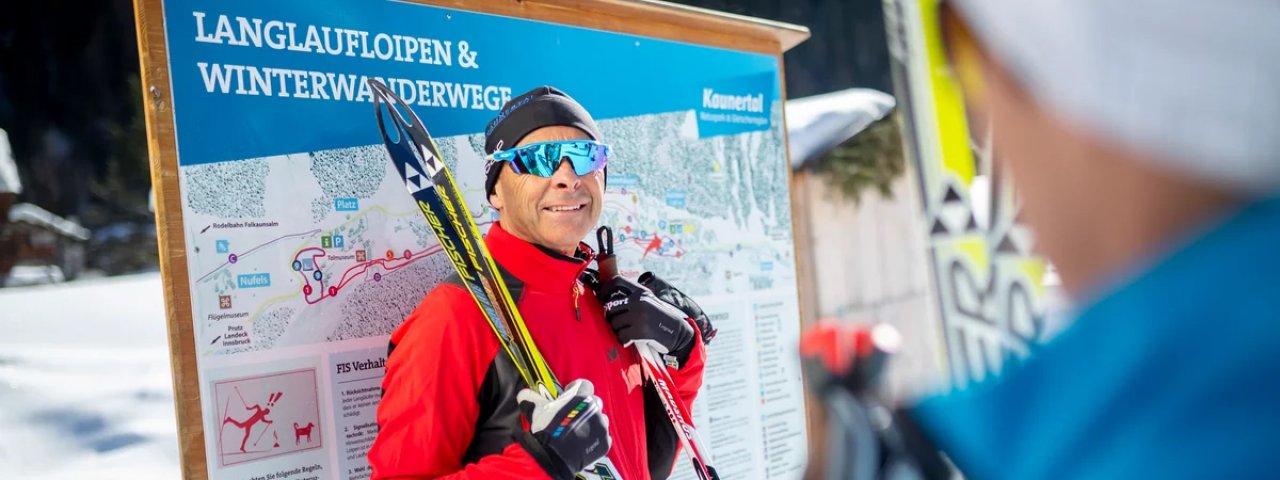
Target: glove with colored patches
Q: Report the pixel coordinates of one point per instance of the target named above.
(567, 434)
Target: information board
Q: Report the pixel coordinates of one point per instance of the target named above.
(293, 251)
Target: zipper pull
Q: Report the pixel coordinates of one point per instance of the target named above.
(577, 291)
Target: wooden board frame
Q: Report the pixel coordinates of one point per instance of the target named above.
(647, 18)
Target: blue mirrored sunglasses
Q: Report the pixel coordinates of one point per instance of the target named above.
(543, 158)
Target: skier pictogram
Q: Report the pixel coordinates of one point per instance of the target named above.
(254, 414)
(257, 413)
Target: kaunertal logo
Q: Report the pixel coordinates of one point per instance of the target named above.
(734, 103)
(737, 105)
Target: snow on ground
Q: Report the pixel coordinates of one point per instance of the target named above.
(85, 386)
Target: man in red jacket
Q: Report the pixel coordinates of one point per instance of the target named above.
(453, 400)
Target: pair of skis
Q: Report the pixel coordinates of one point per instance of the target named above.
(428, 180)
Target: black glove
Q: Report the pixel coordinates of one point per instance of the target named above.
(636, 316)
(568, 434)
(590, 278)
(667, 293)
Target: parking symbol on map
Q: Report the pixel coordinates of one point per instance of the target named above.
(338, 241)
(222, 246)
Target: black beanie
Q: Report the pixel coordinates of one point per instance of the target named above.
(544, 106)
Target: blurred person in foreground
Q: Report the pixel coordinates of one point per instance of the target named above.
(1144, 140)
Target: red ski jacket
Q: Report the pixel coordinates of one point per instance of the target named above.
(449, 409)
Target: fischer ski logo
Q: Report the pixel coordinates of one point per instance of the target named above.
(424, 169)
(458, 226)
(431, 163)
(446, 242)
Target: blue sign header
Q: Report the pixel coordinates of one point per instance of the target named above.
(254, 78)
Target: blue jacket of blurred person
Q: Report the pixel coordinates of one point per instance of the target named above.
(1144, 140)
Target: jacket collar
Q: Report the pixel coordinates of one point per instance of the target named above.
(537, 267)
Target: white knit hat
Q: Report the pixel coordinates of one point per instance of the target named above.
(1195, 83)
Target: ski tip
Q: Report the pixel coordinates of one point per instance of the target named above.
(406, 124)
(399, 112)
(382, 100)
(381, 95)
(381, 92)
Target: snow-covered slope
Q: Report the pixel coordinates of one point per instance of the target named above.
(85, 386)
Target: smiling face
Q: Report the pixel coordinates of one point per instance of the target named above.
(554, 212)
